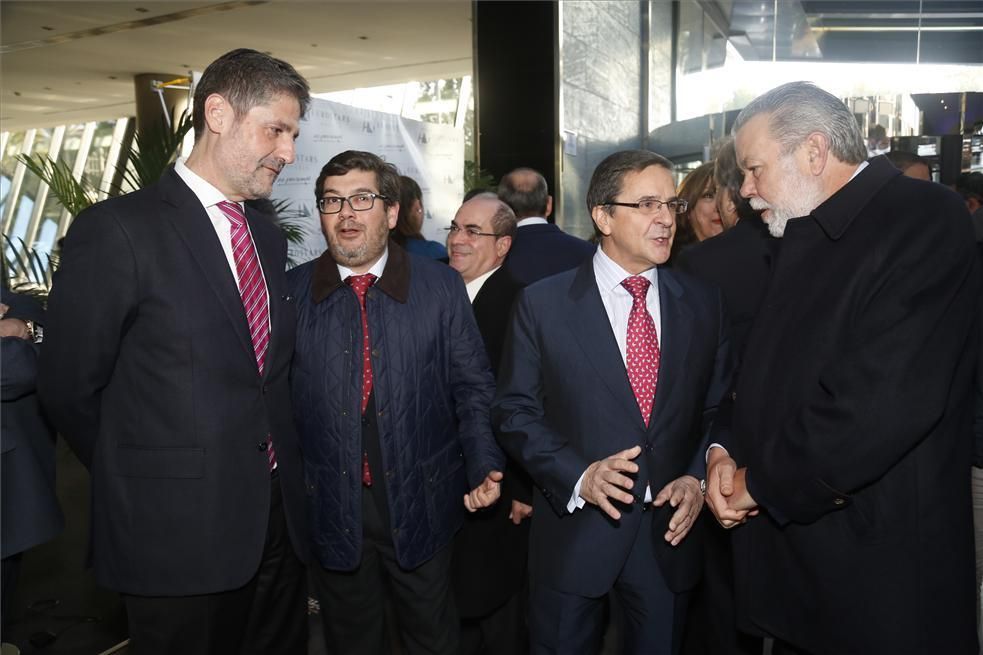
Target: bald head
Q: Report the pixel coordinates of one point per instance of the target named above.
(525, 191)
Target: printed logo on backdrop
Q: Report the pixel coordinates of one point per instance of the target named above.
(431, 154)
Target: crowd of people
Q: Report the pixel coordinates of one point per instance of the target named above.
(747, 413)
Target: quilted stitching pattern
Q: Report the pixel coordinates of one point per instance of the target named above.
(432, 387)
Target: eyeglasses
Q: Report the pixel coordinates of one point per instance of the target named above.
(471, 232)
(652, 207)
(359, 202)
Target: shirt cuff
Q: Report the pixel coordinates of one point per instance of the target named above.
(576, 502)
(711, 447)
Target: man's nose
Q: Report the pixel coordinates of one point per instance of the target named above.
(747, 187)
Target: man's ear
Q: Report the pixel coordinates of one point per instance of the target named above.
(549, 206)
(817, 151)
(602, 219)
(218, 113)
(392, 213)
(502, 245)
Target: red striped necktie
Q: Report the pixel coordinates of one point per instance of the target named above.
(252, 288)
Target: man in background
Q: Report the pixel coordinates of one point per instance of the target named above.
(164, 366)
(540, 248)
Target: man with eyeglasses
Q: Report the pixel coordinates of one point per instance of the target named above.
(610, 377)
(489, 567)
(391, 387)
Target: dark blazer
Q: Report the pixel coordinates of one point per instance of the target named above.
(432, 387)
(852, 416)
(30, 512)
(539, 251)
(564, 401)
(149, 373)
(489, 564)
(739, 263)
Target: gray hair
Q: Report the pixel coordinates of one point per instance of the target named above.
(798, 109)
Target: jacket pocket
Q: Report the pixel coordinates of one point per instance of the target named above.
(444, 485)
(150, 462)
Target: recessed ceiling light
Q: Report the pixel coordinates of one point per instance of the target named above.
(17, 93)
(47, 28)
(363, 38)
(142, 10)
(112, 77)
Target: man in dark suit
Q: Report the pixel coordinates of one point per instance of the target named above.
(853, 405)
(540, 248)
(165, 365)
(489, 566)
(610, 377)
(30, 513)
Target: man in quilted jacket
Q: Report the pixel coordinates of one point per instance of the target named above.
(391, 388)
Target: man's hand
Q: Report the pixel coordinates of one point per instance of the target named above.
(519, 512)
(605, 479)
(485, 494)
(14, 327)
(727, 494)
(684, 494)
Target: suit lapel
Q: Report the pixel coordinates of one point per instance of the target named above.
(674, 340)
(189, 218)
(588, 321)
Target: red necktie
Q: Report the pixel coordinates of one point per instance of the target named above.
(360, 284)
(252, 288)
(642, 347)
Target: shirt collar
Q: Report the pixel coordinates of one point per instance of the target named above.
(377, 268)
(474, 286)
(610, 275)
(532, 220)
(206, 192)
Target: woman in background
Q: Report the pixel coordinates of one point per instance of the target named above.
(410, 221)
(701, 219)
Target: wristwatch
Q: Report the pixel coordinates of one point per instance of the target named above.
(34, 332)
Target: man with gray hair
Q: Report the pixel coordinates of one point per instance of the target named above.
(844, 463)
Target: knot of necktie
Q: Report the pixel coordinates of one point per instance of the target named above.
(637, 286)
(233, 212)
(360, 284)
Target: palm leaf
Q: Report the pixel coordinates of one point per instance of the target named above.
(155, 149)
(26, 271)
(73, 194)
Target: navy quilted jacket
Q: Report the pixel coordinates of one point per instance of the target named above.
(432, 386)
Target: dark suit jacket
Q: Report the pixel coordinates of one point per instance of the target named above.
(739, 263)
(30, 512)
(490, 553)
(564, 401)
(539, 251)
(149, 373)
(852, 414)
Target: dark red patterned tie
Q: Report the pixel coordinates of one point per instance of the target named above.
(642, 347)
(360, 284)
(252, 288)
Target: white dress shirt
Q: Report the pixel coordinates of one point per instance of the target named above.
(532, 220)
(377, 268)
(617, 303)
(474, 286)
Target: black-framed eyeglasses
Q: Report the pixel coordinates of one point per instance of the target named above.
(359, 202)
(471, 232)
(652, 207)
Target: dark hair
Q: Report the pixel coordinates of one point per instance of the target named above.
(409, 191)
(610, 174)
(525, 191)
(970, 185)
(690, 190)
(904, 160)
(246, 79)
(727, 175)
(386, 175)
(798, 109)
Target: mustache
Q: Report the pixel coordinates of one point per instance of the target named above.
(349, 224)
(759, 204)
(274, 163)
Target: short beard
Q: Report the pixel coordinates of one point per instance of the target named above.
(371, 248)
(805, 195)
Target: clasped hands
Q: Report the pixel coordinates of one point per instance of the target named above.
(607, 479)
(727, 493)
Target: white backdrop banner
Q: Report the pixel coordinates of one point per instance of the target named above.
(431, 154)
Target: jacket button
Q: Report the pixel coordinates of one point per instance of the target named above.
(264, 389)
(375, 352)
(839, 501)
(263, 446)
(395, 531)
(733, 396)
(389, 474)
